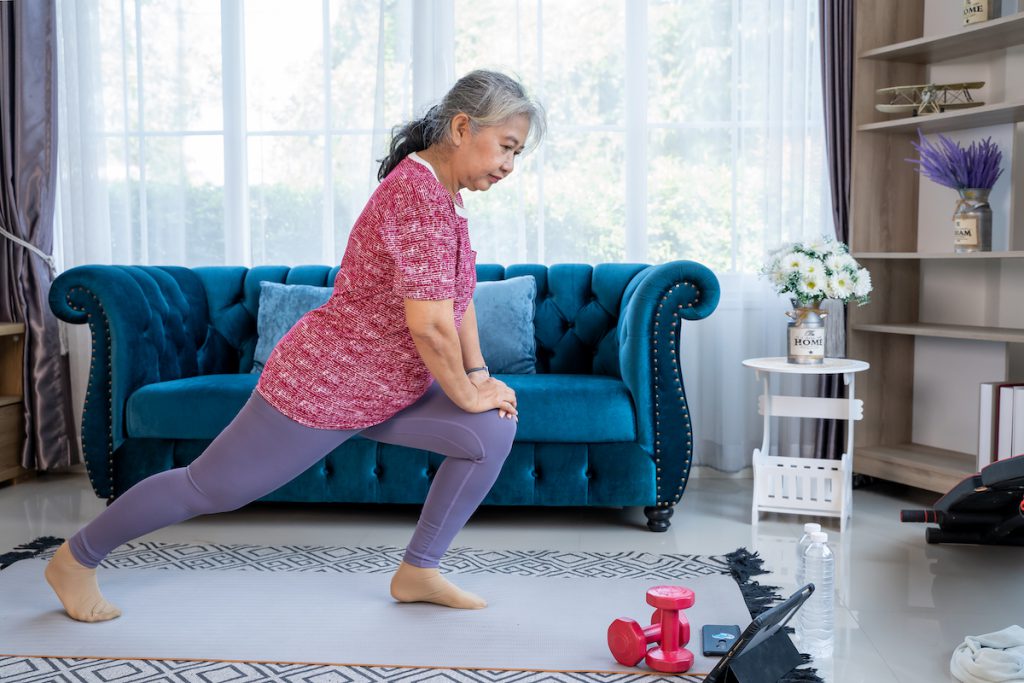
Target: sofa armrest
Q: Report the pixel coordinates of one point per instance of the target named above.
(656, 302)
(147, 325)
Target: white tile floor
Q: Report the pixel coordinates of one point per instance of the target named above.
(902, 605)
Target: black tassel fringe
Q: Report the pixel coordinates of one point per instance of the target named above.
(743, 565)
(27, 550)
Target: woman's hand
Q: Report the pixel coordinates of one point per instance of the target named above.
(493, 393)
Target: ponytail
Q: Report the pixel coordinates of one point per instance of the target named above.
(414, 136)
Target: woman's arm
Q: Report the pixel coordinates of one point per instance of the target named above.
(469, 340)
(432, 326)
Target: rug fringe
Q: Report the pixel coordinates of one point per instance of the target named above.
(30, 549)
(743, 565)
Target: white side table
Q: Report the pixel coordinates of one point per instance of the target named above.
(808, 486)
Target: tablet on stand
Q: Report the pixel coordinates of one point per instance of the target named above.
(763, 653)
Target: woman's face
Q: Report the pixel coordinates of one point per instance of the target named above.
(484, 157)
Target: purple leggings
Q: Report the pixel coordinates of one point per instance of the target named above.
(262, 449)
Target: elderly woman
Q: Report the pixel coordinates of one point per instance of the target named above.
(393, 356)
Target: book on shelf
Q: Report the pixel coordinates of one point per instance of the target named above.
(987, 422)
(1000, 421)
(1004, 420)
(1017, 446)
(1017, 429)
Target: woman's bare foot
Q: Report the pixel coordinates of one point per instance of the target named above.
(422, 584)
(77, 588)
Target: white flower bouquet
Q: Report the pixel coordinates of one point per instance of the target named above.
(816, 270)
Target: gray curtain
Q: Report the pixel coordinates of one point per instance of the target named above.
(28, 161)
(836, 26)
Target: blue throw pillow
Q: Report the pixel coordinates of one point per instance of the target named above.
(504, 317)
(281, 306)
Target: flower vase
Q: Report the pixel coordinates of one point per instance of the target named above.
(807, 334)
(972, 222)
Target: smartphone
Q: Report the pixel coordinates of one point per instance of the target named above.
(717, 639)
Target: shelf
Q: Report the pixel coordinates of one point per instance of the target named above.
(9, 400)
(914, 255)
(932, 469)
(974, 332)
(995, 34)
(7, 329)
(15, 472)
(987, 115)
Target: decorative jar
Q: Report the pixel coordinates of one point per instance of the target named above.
(972, 221)
(807, 334)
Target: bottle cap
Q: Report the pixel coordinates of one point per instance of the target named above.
(811, 527)
(819, 537)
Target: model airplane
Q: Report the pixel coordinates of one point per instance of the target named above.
(928, 99)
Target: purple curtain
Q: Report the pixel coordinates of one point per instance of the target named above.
(837, 88)
(836, 34)
(28, 161)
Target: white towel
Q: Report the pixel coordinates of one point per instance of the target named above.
(992, 658)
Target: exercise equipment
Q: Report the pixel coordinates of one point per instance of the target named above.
(985, 508)
(670, 629)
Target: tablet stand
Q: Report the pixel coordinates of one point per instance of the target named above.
(767, 662)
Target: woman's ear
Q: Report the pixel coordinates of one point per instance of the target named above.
(460, 128)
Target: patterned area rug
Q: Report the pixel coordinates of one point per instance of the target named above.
(741, 564)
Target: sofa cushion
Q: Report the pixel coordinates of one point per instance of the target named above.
(504, 313)
(191, 408)
(552, 408)
(281, 306)
(504, 317)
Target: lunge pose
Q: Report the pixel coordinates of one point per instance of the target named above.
(393, 356)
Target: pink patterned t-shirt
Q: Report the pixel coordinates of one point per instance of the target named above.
(352, 362)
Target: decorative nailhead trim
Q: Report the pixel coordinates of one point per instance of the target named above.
(678, 387)
(95, 330)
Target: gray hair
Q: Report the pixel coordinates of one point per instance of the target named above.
(488, 98)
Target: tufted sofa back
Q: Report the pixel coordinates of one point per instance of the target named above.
(577, 311)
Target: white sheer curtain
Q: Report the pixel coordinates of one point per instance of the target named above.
(195, 132)
(679, 129)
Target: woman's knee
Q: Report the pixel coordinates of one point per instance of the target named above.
(501, 433)
(209, 498)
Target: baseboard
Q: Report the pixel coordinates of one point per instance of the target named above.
(705, 472)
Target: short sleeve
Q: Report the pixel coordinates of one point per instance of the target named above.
(424, 244)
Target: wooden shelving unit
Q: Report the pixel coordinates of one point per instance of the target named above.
(996, 34)
(884, 231)
(934, 469)
(985, 115)
(977, 333)
(12, 428)
(917, 255)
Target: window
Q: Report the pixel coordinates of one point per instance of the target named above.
(248, 132)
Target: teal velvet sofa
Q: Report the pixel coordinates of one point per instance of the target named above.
(604, 422)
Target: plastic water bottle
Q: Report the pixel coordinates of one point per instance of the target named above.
(816, 619)
(801, 548)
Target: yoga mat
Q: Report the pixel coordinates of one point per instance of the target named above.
(553, 623)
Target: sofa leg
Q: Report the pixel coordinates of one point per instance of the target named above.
(657, 518)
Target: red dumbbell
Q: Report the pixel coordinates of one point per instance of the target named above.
(671, 657)
(628, 641)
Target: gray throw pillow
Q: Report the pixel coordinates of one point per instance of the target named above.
(281, 306)
(504, 318)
